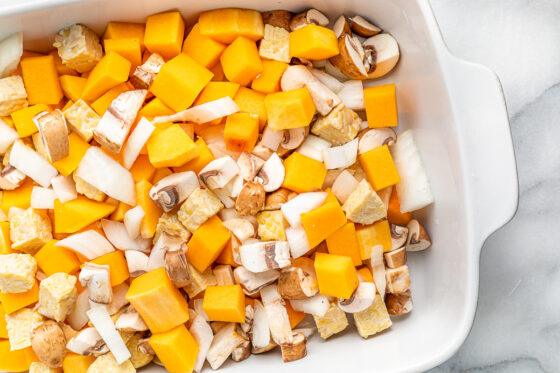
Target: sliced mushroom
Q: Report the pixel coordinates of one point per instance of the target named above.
(247, 326)
(252, 282)
(96, 278)
(172, 190)
(54, 134)
(399, 304)
(87, 342)
(294, 137)
(399, 236)
(130, 321)
(251, 199)
(226, 340)
(298, 281)
(295, 350)
(241, 352)
(262, 151)
(278, 18)
(166, 242)
(11, 178)
(272, 174)
(350, 61)
(278, 320)
(376, 137)
(260, 332)
(386, 52)
(145, 348)
(274, 200)
(418, 238)
(341, 27)
(219, 172)
(49, 344)
(249, 166)
(203, 335)
(310, 16)
(224, 274)
(360, 300)
(119, 298)
(395, 258)
(377, 267)
(137, 262)
(177, 268)
(364, 28)
(260, 350)
(317, 305)
(263, 256)
(114, 126)
(398, 279)
(145, 74)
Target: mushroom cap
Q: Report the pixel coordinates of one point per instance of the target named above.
(418, 238)
(360, 300)
(49, 344)
(272, 173)
(251, 198)
(386, 54)
(363, 27)
(341, 26)
(376, 137)
(350, 60)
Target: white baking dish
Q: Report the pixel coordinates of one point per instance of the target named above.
(458, 111)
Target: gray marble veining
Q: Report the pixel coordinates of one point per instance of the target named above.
(517, 325)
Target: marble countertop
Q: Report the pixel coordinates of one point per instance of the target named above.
(517, 324)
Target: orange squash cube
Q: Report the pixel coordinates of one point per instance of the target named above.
(394, 214)
(289, 109)
(224, 303)
(336, 275)
(41, 80)
(171, 147)
(72, 86)
(61, 68)
(226, 256)
(344, 242)
(128, 48)
(364, 275)
(379, 167)
(54, 259)
(177, 349)
(164, 34)
(151, 210)
(241, 61)
(102, 103)
(118, 268)
(241, 132)
(225, 25)
(179, 81)
(5, 242)
(205, 156)
(206, 243)
(295, 316)
(122, 208)
(269, 80)
(109, 72)
(372, 235)
(23, 119)
(323, 221)
(313, 42)
(16, 301)
(303, 174)
(251, 101)
(217, 90)
(19, 197)
(155, 108)
(204, 50)
(74, 215)
(77, 148)
(381, 105)
(161, 305)
(142, 169)
(74, 363)
(218, 73)
(161, 173)
(3, 330)
(17, 360)
(125, 30)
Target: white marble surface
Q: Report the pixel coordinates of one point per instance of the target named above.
(517, 325)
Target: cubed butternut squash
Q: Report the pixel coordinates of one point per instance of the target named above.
(179, 81)
(164, 34)
(226, 256)
(74, 363)
(71, 216)
(203, 49)
(206, 243)
(151, 210)
(155, 108)
(344, 242)
(161, 173)
(5, 243)
(17, 360)
(23, 119)
(177, 349)
(77, 148)
(3, 330)
(289, 109)
(54, 259)
(16, 301)
(19, 197)
(323, 221)
(241, 61)
(369, 236)
(122, 208)
(313, 42)
(142, 169)
(102, 103)
(72, 86)
(60, 67)
(241, 132)
(216, 90)
(336, 275)
(303, 174)
(225, 25)
(268, 81)
(224, 303)
(171, 147)
(364, 275)
(251, 101)
(128, 48)
(205, 156)
(381, 105)
(125, 30)
(41, 80)
(118, 268)
(379, 167)
(109, 72)
(394, 214)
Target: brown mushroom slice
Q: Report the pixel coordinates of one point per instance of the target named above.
(272, 174)
(241, 352)
(203, 335)
(249, 165)
(398, 279)
(114, 126)
(250, 200)
(11, 178)
(386, 52)
(278, 320)
(144, 75)
(252, 282)
(350, 61)
(177, 268)
(278, 18)
(317, 305)
(87, 342)
(310, 16)
(49, 344)
(360, 300)
(219, 172)
(399, 304)
(54, 134)
(399, 236)
(172, 190)
(262, 151)
(418, 238)
(96, 278)
(341, 27)
(294, 137)
(263, 256)
(226, 340)
(130, 321)
(395, 258)
(275, 199)
(364, 28)
(377, 267)
(224, 275)
(298, 281)
(375, 137)
(295, 350)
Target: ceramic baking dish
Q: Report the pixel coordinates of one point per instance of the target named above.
(458, 112)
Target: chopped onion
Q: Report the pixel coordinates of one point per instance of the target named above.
(30, 163)
(117, 234)
(316, 305)
(352, 95)
(203, 113)
(344, 184)
(272, 138)
(298, 242)
(342, 156)
(89, 244)
(197, 305)
(132, 221)
(203, 335)
(107, 175)
(101, 320)
(137, 262)
(42, 198)
(261, 330)
(78, 318)
(65, 188)
(7, 135)
(330, 81)
(119, 298)
(334, 71)
(136, 142)
(11, 49)
(304, 202)
(313, 147)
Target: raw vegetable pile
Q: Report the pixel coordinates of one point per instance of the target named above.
(183, 201)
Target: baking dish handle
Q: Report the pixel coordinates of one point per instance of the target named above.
(480, 111)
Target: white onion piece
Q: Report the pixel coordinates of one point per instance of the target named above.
(157, 255)
(197, 305)
(304, 202)
(298, 242)
(136, 141)
(317, 305)
(272, 138)
(313, 147)
(137, 262)
(65, 188)
(203, 335)
(42, 198)
(342, 156)
(7, 135)
(132, 221)
(78, 318)
(343, 185)
(89, 244)
(203, 113)
(330, 81)
(30, 163)
(261, 330)
(119, 298)
(101, 320)
(352, 95)
(117, 234)
(11, 49)
(107, 175)
(144, 244)
(335, 72)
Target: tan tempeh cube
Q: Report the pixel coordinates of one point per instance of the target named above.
(363, 205)
(333, 322)
(374, 319)
(20, 324)
(29, 229)
(42, 368)
(57, 296)
(170, 224)
(78, 47)
(271, 226)
(276, 44)
(199, 281)
(82, 119)
(201, 205)
(108, 364)
(13, 95)
(398, 279)
(340, 126)
(17, 273)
